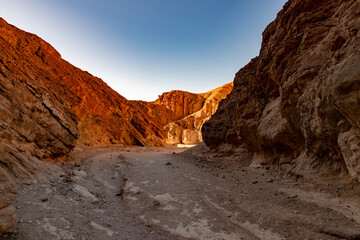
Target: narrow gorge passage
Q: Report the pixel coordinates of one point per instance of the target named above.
(149, 193)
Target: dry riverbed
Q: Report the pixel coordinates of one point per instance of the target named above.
(159, 193)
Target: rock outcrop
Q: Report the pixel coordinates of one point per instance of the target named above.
(297, 104)
(7, 197)
(48, 106)
(181, 103)
(189, 112)
(76, 102)
(181, 114)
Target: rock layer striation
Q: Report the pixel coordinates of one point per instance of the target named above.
(48, 106)
(182, 113)
(297, 104)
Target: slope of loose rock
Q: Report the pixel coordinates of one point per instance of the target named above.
(297, 104)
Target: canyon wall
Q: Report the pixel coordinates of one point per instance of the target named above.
(48, 106)
(182, 114)
(81, 104)
(187, 130)
(297, 104)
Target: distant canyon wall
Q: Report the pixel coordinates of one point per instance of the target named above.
(297, 104)
(182, 114)
(187, 130)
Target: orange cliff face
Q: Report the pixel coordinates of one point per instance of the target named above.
(48, 106)
(187, 130)
(94, 112)
(182, 114)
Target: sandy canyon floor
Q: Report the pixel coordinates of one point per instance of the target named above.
(149, 193)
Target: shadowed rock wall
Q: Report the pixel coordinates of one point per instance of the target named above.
(297, 104)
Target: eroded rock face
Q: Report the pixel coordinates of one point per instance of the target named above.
(78, 102)
(298, 102)
(180, 103)
(179, 111)
(187, 128)
(7, 197)
(47, 106)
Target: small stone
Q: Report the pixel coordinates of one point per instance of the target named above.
(156, 203)
(254, 182)
(270, 180)
(168, 163)
(20, 220)
(173, 152)
(68, 179)
(293, 196)
(44, 199)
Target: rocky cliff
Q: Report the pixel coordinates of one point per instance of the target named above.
(48, 106)
(187, 130)
(83, 105)
(297, 104)
(187, 112)
(181, 114)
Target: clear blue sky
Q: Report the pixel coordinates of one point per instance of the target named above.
(142, 48)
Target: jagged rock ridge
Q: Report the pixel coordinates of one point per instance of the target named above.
(297, 104)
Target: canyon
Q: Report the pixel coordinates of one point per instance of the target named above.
(286, 128)
(48, 107)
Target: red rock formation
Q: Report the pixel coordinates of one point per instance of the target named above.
(47, 104)
(180, 103)
(182, 114)
(102, 115)
(189, 112)
(297, 104)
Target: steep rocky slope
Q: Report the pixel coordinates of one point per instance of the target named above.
(47, 105)
(297, 104)
(102, 116)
